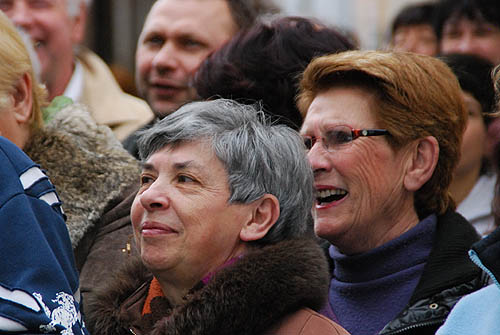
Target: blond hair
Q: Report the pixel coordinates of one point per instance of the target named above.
(417, 96)
(14, 63)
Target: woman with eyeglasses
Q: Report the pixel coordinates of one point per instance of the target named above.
(383, 132)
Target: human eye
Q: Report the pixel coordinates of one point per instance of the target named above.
(38, 4)
(474, 113)
(451, 32)
(308, 141)
(338, 136)
(191, 43)
(154, 40)
(485, 30)
(182, 178)
(146, 179)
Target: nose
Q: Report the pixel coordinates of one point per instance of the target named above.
(154, 198)
(466, 44)
(409, 44)
(20, 14)
(166, 58)
(319, 158)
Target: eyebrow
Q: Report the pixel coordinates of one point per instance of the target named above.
(147, 166)
(187, 165)
(176, 166)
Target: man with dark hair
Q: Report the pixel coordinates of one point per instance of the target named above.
(412, 30)
(469, 26)
(177, 36)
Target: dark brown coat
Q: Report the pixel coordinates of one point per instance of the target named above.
(272, 290)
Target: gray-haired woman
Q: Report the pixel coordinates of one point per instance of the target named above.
(221, 223)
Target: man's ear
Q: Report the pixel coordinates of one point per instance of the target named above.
(23, 100)
(265, 214)
(424, 158)
(80, 24)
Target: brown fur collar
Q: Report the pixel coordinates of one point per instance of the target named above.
(85, 162)
(244, 298)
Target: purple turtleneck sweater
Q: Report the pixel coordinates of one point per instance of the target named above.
(369, 290)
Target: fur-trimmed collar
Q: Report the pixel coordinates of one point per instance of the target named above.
(247, 297)
(86, 163)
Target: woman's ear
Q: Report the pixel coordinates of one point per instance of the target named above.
(23, 100)
(265, 214)
(424, 158)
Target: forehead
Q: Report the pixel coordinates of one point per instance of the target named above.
(342, 105)
(415, 28)
(472, 19)
(211, 18)
(43, 4)
(194, 155)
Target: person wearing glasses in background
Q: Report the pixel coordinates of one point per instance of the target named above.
(384, 138)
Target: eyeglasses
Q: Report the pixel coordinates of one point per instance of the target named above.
(341, 136)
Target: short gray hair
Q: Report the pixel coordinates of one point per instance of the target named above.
(73, 6)
(259, 157)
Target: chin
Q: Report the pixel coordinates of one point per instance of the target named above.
(152, 258)
(328, 231)
(162, 109)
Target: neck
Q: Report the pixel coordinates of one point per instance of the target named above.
(174, 293)
(176, 283)
(463, 183)
(390, 225)
(57, 85)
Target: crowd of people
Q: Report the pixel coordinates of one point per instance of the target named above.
(274, 180)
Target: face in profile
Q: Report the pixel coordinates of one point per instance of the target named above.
(53, 32)
(418, 38)
(481, 38)
(181, 217)
(177, 36)
(474, 139)
(359, 182)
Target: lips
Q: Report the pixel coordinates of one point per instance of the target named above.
(329, 196)
(155, 228)
(166, 90)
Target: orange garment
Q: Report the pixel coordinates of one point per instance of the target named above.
(153, 292)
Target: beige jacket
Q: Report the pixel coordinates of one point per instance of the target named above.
(109, 105)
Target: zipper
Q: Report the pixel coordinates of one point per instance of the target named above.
(419, 325)
(475, 259)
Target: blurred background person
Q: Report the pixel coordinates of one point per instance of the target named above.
(57, 28)
(176, 37)
(93, 174)
(477, 313)
(223, 251)
(472, 27)
(384, 132)
(412, 30)
(473, 183)
(469, 26)
(264, 63)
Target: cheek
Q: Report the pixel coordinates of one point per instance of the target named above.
(136, 211)
(448, 45)
(474, 136)
(192, 62)
(143, 61)
(367, 168)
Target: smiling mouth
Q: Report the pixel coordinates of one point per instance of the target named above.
(324, 197)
